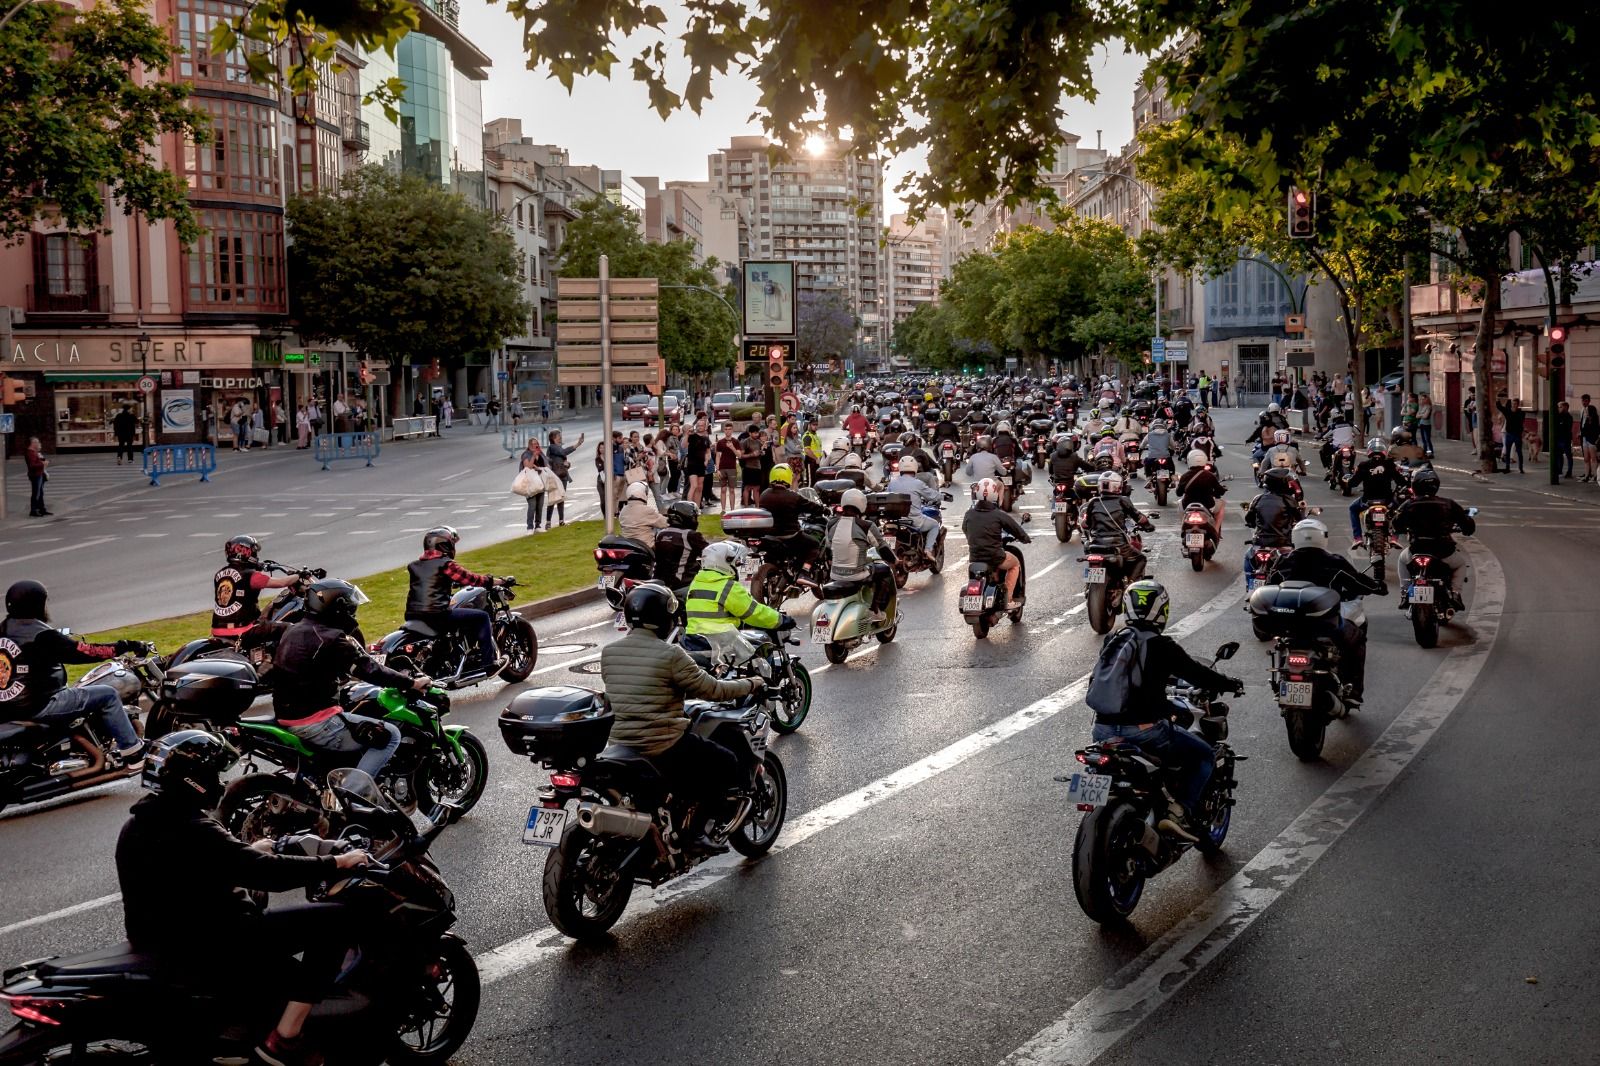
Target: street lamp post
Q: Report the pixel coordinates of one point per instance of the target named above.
(144, 372)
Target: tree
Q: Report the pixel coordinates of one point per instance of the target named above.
(397, 267)
(697, 330)
(76, 122)
(825, 327)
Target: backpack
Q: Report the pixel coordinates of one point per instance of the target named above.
(1118, 673)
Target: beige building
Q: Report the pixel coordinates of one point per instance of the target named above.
(672, 213)
(915, 255)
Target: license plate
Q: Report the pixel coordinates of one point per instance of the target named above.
(1422, 594)
(1006, 480)
(1194, 540)
(544, 828)
(1091, 790)
(1095, 575)
(1295, 694)
(820, 634)
(1163, 475)
(971, 604)
(1379, 519)
(1059, 507)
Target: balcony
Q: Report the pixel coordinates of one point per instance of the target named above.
(1441, 299)
(355, 133)
(94, 300)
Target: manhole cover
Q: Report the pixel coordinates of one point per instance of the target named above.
(590, 667)
(562, 649)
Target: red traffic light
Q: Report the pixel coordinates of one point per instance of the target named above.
(1300, 198)
(1558, 334)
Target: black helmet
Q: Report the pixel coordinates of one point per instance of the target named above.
(243, 548)
(333, 602)
(25, 599)
(1279, 479)
(1425, 482)
(682, 514)
(187, 766)
(441, 539)
(651, 606)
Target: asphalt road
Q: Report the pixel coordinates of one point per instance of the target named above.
(1386, 904)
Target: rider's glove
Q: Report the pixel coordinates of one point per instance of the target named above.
(123, 647)
(1238, 686)
(785, 622)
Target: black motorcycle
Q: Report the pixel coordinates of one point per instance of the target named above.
(258, 643)
(983, 598)
(892, 512)
(418, 648)
(1197, 536)
(1425, 595)
(1305, 662)
(1123, 791)
(1106, 576)
(1064, 509)
(608, 816)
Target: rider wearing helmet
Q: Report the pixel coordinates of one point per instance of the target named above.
(1340, 434)
(180, 873)
(33, 674)
(1146, 718)
(923, 497)
(849, 536)
(639, 518)
(1004, 444)
(985, 526)
(1311, 561)
(856, 423)
(1200, 484)
(1157, 446)
(717, 606)
(315, 657)
(1403, 447)
(678, 547)
(1105, 523)
(786, 506)
(1430, 519)
(236, 588)
(1377, 477)
(1283, 453)
(1064, 461)
(1270, 419)
(433, 578)
(1274, 511)
(945, 429)
(984, 463)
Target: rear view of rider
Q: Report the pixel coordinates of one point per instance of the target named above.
(236, 588)
(1064, 461)
(315, 657)
(786, 507)
(1283, 454)
(1105, 523)
(33, 673)
(1311, 561)
(433, 578)
(906, 480)
(678, 547)
(1430, 519)
(849, 537)
(856, 423)
(1004, 444)
(181, 874)
(1200, 484)
(985, 526)
(1377, 477)
(984, 462)
(1157, 446)
(1275, 510)
(1146, 718)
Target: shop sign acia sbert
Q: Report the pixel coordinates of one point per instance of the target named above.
(119, 351)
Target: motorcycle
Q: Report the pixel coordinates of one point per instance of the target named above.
(983, 598)
(1305, 664)
(608, 816)
(410, 995)
(1425, 596)
(1064, 509)
(783, 568)
(842, 618)
(1199, 536)
(892, 511)
(1123, 794)
(418, 648)
(257, 643)
(1376, 537)
(1105, 578)
(623, 563)
(949, 459)
(1342, 467)
(41, 760)
(1160, 480)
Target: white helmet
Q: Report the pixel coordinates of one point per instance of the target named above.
(854, 498)
(988, 490)
(1309, 533)
(851, 462)
(1198, 458)
(1003, 427)
(1273, 409)
(1281, 437)
(725, 556)
(1110, 483)
(908, 465)
(855, 408)
(637, 490)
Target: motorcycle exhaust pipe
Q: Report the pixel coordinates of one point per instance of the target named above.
(614, 822)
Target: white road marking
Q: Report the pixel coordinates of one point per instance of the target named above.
(1102, 1018)
(148, 536)
(585, 629)
(362, 532)
(64, 912)
(452, 477)
(311, 532)
(1049, 568)
(563, 666)
(530, 949)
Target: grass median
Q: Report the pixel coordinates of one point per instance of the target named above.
(547, 564)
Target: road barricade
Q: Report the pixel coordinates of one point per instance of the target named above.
(167, 460)
(516, 438)
(417, 426)
(333, 447)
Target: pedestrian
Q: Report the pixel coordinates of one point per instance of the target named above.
(1223, 388)
(555, 497)
(447, 411)
(492, 411)
(1469, 409)
(727, 456)
(531, 450)
(696, 452)
(750, 454)
(280, 421)
(619, 467)
(38, 467)
(125, 424)
(544, 409)
(1563, 439)
(559, 456)
(1589, 433)
(238, 419)
(314, 415)
(208, 425)
(1425, 423)
(302, 426)
(529, 484)
(1375, 406)
(1515, 420)
(258, 427)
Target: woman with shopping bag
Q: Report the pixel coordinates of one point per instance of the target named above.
(555, 496)
(529, 483)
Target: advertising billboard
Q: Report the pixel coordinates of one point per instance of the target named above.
(769, 298)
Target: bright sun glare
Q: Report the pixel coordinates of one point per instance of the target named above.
(816, 144)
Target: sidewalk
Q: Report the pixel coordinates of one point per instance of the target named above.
(1459, 457)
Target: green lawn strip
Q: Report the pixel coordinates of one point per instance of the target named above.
(545, 564)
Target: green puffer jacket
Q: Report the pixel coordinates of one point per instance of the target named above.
(646, 680)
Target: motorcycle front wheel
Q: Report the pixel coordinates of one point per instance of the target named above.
(1106, 873)
(795, 704)
(243, 808)
(447, 1005)
(521, 645)
(440, 778)
(760, 830)
(583, 896)
(767, 586)
(1215, 816)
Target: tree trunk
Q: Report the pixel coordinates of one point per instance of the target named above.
(1482, 372)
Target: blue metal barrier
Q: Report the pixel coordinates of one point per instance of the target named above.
(516, 438)
(332, 447)
(165, 460)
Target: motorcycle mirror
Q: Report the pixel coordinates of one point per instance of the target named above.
(1472, 512)
(1314, 510)
(1227, 651)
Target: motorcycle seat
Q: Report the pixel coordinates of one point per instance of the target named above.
(631, 760)
(116, 959)
(841, 590)
(419, 627)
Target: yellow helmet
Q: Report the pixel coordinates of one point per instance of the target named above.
(781, 475)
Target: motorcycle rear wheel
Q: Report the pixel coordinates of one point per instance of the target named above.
(835, 652)
(1161, 492)
(1425, 624)
(1063, 527)
(793, 711)
(760, 831)
(980, 627)
(568, 901)
(902, 574)
(1197, 561)
(1106, 876)
(1099, 614)
(518, 641)
(453, 987)
(1307, 728)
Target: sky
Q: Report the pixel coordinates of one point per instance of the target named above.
(608, 123)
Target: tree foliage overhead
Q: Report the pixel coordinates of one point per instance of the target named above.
(398, 267)
(697, 330)
(826, 327)
(75, 122)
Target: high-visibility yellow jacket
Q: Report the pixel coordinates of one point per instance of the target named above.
(813, 444)
(717, 603)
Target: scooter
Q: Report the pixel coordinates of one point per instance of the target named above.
(842, 618)
(983, 597)
(1199, 536)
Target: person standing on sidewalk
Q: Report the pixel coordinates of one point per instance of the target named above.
(1515, 424)
(1469, 408)
(559, 456)
(302, 425)
(36, 463)
(1589, 431)
(1425, 423)
(125, 425)
(1564, 439)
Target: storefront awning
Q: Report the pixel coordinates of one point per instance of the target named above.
(98, 375)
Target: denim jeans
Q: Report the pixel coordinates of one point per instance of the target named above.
(334, 735)
(36, 495)
(1510, 443)
(100, 702)
(1425, 436)
(476, 625)
(1191, 758)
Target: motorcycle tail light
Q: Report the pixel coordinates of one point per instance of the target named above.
(1263, 556)
(1300, 661)
(565, 780)
(1421, 562)
(1195, 520)
(974, 588)
(31, 1009)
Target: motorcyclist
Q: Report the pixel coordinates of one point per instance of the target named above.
(433, 577)
(1146, 720)
(1130, 422)
(812, 444)
(1341, 434)
(1107, 452)
(236, 588)
(678, 547)
(1157, 446)
(1270, 419)
(1004, 443)
(984, 463)
(849, 537)
(1283, 453)
(1403, 447)
(315, 657)
(1064, 461)
(1183, 408)
(638, 517)
(717, 606)
(1105, 523)
(856, 423)
(1093, 424)
(1377, 477)
(983, 526)
(945, 429)
(1201, 425)
(1200, 484)
(1274, 511)
(1311, 561)
(907, 481)
(786, 507)
(1430, 519)
(181, 875)
(646, 680)
(33, 674)
(927, 469)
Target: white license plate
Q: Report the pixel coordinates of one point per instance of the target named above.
(1091, 790)
(820, 634)
(1060, 507)
(544, 828)
(971, 603)
(1379, 519)
(1194, 540)
(1006, 480)
(1421, 593)
(1295, 694)
(1095, 575)
(1163, 475)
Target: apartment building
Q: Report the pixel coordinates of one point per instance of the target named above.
(672, 213)
(915, 255)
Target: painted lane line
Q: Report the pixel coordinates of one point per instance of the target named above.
(563, 666)
(58, 551)
(64, 912)
(1049, 568)
(585, 629)
(1102, 1018)
(528, 950)
(452, 477)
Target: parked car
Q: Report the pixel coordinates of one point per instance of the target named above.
(635, 406)
(674, 411)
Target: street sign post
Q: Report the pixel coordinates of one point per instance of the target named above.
(1176, 351)
(147, 384)
(1158, 349)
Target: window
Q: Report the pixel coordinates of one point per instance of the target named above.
(243, 155)
(196, 61)
(65, 273)
(238, 262)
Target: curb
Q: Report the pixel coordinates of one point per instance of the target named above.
(556, 604)
(1479, 475)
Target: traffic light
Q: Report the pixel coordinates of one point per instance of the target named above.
(366, 373)
(12, 391)
(1302, 213)
(777, 369)
(1558, 346)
